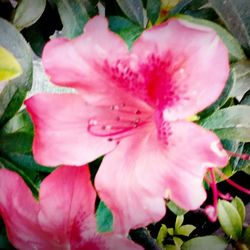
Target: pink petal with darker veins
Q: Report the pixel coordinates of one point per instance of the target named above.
(63, 218)
(147, 166)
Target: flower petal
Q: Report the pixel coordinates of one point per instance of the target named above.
(61, 135)
(185, 67)
(80, 62)
(144, 169)
(67, 200)
(19, 211)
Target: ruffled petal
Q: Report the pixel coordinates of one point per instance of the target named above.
(19, 211)
(67, 200)
(144, 169)
(61, 135)
(184, 67)
(80, 63)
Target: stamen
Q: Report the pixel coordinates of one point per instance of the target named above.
(245, 157)
(232, 183)
(118, 122)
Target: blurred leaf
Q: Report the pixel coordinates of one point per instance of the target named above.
(246, 236)
(153, 10)
(175, 209)
(133, 9)
(9, 66)
(179, 220)
(162, 234)
(184, 5)
(74, 15)
(236, 16)
(242, 79)
(170, 247)
(12, 96)
(205, 243)
(125, 28)
(222, 99)
(233, 46)
(28, 12)
(246, 98)
(178, 242)
(239, 205)
(104, 218)
(171, 231)
(230, 123)
(185, 230)
(229, 219)
(4, 243)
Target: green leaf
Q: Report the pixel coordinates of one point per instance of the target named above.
(229, 219)
(133, 9)
(222, 99)
(179, 220)
(9, 66)
(153, 10)
(239, 205)
(104, 218)
(26, 161)
(125, 28)
(246, 236)
(205, 243)
(4, 243)
(178, 242)
(162, 235)
(234, 48)
(28, 12)
(236, 16)
(230, 123)
(74, 15)
(242, 79)
(12, 96)
(175, 209)
(185, 230)
(17, 134)
(7, 164)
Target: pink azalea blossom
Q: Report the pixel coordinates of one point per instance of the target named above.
(133, 105)
(63, 218)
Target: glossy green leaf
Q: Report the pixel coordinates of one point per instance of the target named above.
(133, 9)
(74, 15)
(242, 78)
(235, 15)
(12, 96)
(162, 234)
(125, 28)
(104, 218)
(233, 46)
(229, 219)
(28, 12)
(153, 10)
(230, 123)
(26, 161)
(185, 230)
(222, 99)
(205, 243)
(179, 220)
(239, 205)
(9, 66)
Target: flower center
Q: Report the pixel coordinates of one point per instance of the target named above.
(117, 121)
(154, 80)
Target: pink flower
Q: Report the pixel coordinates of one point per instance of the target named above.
(63, 218)
(133, 106)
